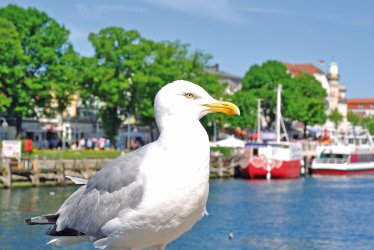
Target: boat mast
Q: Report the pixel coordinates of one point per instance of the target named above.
(258, 120)
(278, 115)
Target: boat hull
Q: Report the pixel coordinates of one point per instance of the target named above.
(285, 170)
(342, 169)
(341, 172)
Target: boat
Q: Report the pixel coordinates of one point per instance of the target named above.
(345, 154)
(272, 159)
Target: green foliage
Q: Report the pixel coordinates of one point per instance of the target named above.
(41, 44)
(368, 122)
(128, 70)
(354, 119)
(304, 100)
(247, 104)
(225, 151)
(262, 81)
(40, 70)
(303, 97)
(76, 154)
(119, 57)
(64, 78)
(11, 58)
(336, 117)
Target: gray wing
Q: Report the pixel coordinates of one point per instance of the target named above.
(118, 185)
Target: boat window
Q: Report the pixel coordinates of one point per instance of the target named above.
(334, 156)
(365, 157)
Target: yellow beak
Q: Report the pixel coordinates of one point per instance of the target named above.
(223, 107)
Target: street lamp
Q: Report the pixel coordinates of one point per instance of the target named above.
(4, 123)
(127, 121)
(214, 123)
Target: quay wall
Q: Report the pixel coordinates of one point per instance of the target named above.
(37, 171)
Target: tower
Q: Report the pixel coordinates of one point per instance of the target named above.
(333, 74)
(336, 96)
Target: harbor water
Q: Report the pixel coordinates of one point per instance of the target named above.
(307, 213)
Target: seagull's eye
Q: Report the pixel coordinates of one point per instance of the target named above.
(189, 95)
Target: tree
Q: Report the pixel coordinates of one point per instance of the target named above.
(128, 70)
(368, 123)
(354, 119)
(336, 117)
(303, 97)
(43, 42)
(262, 81)
(305, 100)
(119, 56)
(11, 58)
(247, 103)
(64, 78)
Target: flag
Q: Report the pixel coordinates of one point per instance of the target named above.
(321, 62)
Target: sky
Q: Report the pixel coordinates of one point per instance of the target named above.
(238, 33)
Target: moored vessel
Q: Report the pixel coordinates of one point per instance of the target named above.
(347, 154)
(273, 159)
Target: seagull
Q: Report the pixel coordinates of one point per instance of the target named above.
(149, 197)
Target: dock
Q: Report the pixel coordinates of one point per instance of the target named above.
(37, 171)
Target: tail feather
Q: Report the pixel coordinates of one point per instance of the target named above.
(77, 180)
(63, 241)
(43, 219)
(65, 232)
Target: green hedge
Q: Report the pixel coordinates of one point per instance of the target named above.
(224, 150)
(76, 154)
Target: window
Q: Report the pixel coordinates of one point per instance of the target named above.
(361, 106)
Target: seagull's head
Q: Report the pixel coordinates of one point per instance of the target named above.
(183, 98)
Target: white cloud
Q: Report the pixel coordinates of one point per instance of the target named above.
(214, 9)
(99, 11)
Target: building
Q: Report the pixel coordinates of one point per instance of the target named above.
(361, 106)
(77, 121)
(337, 95)
(233, 81)
(336, 92)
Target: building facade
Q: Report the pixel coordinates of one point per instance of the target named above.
(361, 106)
(233, 82)
(336, 91)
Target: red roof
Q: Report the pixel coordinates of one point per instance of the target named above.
(296, 69)
(360, 100)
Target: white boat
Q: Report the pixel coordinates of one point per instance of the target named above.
(346, 154)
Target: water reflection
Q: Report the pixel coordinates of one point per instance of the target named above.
(310, 213)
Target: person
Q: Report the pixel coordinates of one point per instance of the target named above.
(102, 143)
(107, 144)
(28, 145)
(134, 144)
(89, 144)
(82, 143)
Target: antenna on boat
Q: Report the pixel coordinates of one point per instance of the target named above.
(258, 120)
(279, 118)
(278, 115)
(370, 139)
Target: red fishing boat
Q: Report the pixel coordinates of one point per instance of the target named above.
(272, 159)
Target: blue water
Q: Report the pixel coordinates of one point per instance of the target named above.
(309, 213)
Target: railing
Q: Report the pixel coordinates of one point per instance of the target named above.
(331, 160)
